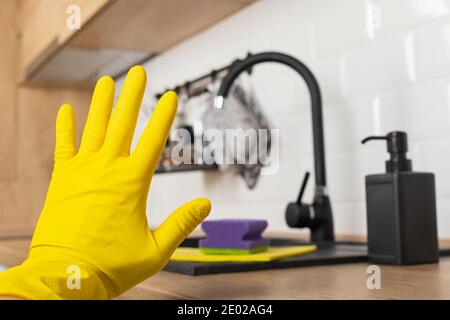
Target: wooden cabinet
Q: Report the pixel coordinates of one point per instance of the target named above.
(43, 28)
(27, 117)
(114, 34)
(8, 93)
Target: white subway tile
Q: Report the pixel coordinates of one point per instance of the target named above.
(308, 10)
(350, 218)
(297, 40)
(390, 16)
(423, 110)
(347, 171)
(346, 124)
(432, 49)
(332, 77)
(273, 86)
(339, 30)
(229, 39)
(295, 135)
(433, 156)
(267, 15)
(378, 67)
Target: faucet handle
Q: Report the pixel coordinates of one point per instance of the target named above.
(298, 214)
(303, 187)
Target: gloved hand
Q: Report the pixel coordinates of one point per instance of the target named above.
(93, 231)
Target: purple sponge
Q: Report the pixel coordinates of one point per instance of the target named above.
(234, 234)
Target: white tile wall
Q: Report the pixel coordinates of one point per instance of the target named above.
(382, 64)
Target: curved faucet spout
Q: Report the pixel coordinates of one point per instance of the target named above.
(323, 224)
(314, 91)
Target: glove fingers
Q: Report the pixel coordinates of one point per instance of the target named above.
(65, 146)
(98, 117)
(123, 120)
(153, 140)
(180, 224)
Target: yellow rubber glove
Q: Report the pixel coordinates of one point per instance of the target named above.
(93, 224)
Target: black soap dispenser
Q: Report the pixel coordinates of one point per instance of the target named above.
(401, 209)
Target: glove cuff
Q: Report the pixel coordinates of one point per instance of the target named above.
(53, 277)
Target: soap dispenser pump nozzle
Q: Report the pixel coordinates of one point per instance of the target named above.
(397, 146)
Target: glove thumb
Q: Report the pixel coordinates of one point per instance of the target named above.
(180, 224)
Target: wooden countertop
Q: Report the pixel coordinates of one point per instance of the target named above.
(325, 282)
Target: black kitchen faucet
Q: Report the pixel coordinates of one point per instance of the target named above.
(318, 216)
